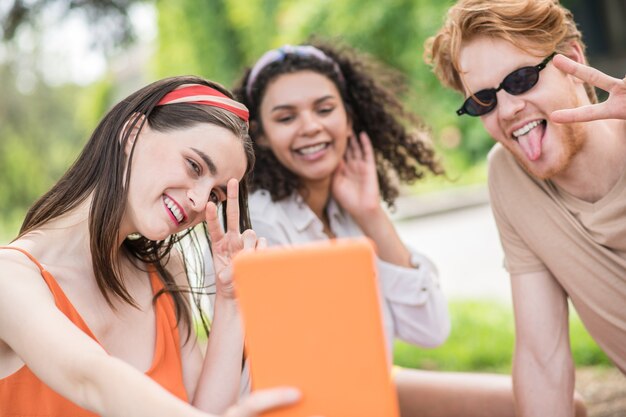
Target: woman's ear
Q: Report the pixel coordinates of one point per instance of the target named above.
(262, 141)
(134, 123)
(351, 127)
(257, 134)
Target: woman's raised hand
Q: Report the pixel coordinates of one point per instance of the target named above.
(355, 182)
(226, 244)
(613, 108)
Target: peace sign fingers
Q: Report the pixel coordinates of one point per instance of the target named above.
(613, 108)
(232, 206)
(232, 213)
(213, 223)
(585, 73)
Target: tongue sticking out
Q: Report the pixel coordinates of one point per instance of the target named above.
(531, 142)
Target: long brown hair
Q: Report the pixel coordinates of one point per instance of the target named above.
(100, 170)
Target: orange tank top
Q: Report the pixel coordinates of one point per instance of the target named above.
(23, 394)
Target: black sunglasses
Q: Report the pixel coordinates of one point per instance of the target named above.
(517, 82)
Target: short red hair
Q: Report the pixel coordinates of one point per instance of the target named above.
(542, 26)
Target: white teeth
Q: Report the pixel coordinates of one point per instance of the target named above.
(173, 208)
(526, 128)
(311, 149)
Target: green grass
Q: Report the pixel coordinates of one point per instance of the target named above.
(482, 339)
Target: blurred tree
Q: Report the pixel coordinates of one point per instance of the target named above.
(42, 127)
(39, 140)
(196, 39)
(214, 39)
(108, 18)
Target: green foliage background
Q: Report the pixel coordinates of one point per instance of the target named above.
(43, 130)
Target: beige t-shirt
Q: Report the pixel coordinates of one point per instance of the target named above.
(582, 244)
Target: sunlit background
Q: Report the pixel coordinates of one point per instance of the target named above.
(63, 63)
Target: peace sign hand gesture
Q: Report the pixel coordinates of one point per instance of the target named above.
(613, 108)
(227, 244)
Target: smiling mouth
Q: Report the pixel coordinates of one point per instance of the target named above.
(527, 128)
(310, 150)
(174, 209)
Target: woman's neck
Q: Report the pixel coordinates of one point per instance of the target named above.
(316, 195)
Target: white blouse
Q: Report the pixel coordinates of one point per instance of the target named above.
(414, 307)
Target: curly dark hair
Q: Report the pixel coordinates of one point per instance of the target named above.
(401, 141)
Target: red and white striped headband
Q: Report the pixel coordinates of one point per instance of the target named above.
(202, 94)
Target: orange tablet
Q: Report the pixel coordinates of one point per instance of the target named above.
(312, 318)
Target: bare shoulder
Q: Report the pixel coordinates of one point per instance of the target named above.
(17, 266)
(22, 289)
(20, 278)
